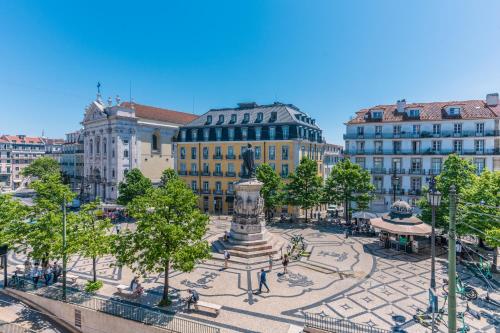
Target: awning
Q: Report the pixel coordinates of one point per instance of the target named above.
(420, 229)
(363, 215)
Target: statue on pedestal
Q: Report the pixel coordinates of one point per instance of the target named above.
(249, 162)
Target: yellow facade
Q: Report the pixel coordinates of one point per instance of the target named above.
(224, 168)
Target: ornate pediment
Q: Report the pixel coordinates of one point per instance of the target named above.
(94, 111)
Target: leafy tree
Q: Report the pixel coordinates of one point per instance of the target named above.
(167, 175)
(40, 167)
(348, 183)
(304, 189)
(272, 188)
(456, 171)
(169, 232)
(94, 238)
(12, 220)
(135, 184)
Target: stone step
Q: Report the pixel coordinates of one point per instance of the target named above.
(247, 243)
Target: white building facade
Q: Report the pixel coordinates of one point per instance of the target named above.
(71, 160)
(402, 145)
(120, 137)
(332, 154)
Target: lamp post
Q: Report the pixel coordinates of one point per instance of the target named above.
(395, 180)
(434, 200)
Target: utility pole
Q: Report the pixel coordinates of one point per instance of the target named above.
(64, 250)
(452, 280)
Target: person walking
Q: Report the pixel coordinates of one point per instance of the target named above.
(27, 268)
(285, 264)
(263, 280)
(56, 269)
(458, 249)
(118, 228)
(227, 256)
(36, 275)
(46, 273)
(270, 262)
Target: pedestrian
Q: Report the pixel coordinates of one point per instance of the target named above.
(346, 232)
(193, 298)
(55, 272)
(27, 268)
(263, 280)
(36, 275)
(118, 228)
(227, 256)
(46, 273)
(458, 249)
(285, 264)
(270, 262)
(134, 283)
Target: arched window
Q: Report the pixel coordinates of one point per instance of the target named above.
(91, 146)
(155, 138)
(125, 153)
(98, 145)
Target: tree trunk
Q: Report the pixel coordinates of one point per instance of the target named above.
(346, 211)
(496, 254)
(94, 270)
(165, 284)
(306, 215)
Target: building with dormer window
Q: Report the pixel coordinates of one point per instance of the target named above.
(403, 144)
(120, 137)
(281, 135)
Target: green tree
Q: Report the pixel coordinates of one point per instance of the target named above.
(13, 215)
(93, 233)
(167, 175)
(135, 184)
(456, 171)
(169, 232)
(348, 183)
(304, 188)
(40, 167)
(272, 188)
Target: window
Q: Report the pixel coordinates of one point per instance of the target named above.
(258, 131)
(98, 145)
(479, 163)
(415, 147)
(480, 129)
(273, 165)
(414, 113)
(125, 153)
(272, 132)
(360, 146)
(113, 173)
(218, 133)
(183, 167)
(230, 151)
(396, 129)
(193, 152)
(436, 146)
(457, 128)
(436, 166)
(183, 153)
(246, 117)
(206, 186)
(205, 153)
(221, 119)
(257, 153)
(206, 168)
(206, 134)
(457, 146)
(218, 186)
(194, 185)
(218, 152)
(416, 129)
(378, 130)
(218, 168)
(377, 114)
(233, 119)
(274, 116)
(154, 142)
(416, 165)
(360, 161)
(378, 147)
(378, 182)
(360, 130)
(230, 133)
(284, 153)
(244, 133)
(378, 163)
(396, 147)
(194, 134)
(284, 170)
(272, 153)
(193, 167)
(104, 146)
(183, 135)
(230, 167)
(209, 120)
(91, 146)
(479, 146)
(286, 132)
(260, 117)
(396, 164)
(416, 183)
(454, 111)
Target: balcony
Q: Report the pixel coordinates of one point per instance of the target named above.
(284, 174)
(422, 152)
(229, 192)
(205, 173)
(217, 157)
(397, 171)
(205, 191)
(434, 172)
(378, 171)
(230, 174)
(415, 192)
(183, 173)
(422, 134)
(218, 192)
(218, 174)
(379, 191)
(416, 172)
(230, 157)
(193, 173)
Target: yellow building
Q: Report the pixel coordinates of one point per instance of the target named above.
(209, 149)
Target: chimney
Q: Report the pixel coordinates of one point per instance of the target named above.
(401, 105)
(492, 99)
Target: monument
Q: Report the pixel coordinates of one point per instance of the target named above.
(249, 237)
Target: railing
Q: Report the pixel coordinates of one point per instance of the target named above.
(124, 310)
(205, 191)
(14, 328)
(229, 192)
(284, 174)
(397, 171)
(205, 173)
(218, 173)
(329, 324)
(230, 157)
(230, 174)
(193, 173)
(422, 134)
(217, 157)
(494, 151)
(182, 173)
(218, 192)
(378, 170)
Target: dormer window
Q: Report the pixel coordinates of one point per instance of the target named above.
(454, 111)
(209, 120)
(274, 116)
(194, 134)
(246, 117)
(233, 119)
(414, 113)
(377, 114)
(221, 119)
(260, 117)
(206, 134)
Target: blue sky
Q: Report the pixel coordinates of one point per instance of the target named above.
(330, 58)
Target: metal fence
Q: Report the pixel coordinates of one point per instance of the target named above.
(6, 327)
(124, 310)
(333, 325)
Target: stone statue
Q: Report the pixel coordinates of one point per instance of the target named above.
(249, 162)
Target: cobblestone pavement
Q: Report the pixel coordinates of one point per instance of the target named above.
(349, 278)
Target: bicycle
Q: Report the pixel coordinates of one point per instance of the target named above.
(463, 289)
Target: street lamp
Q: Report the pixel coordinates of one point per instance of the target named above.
(434, 200)
(395, 181)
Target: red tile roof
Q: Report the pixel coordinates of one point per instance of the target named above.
(472, 109)
(22, 139)
(154, 113)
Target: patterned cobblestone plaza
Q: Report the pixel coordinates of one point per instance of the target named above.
(350, 278)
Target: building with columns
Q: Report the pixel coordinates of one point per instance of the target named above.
(122, 136)
(403, 144)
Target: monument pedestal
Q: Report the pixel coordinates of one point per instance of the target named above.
(249, 237)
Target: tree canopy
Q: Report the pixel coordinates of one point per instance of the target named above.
(167, 175)
(134, 185)
(304, 188)
(169, 232)
(272, 188)
(348, 183)
(41, 167)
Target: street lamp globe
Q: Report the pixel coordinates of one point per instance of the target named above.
(434, 198)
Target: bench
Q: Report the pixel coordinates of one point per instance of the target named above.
(72, 278)
(207, 307)
(123, 289)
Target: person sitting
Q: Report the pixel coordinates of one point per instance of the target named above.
(134, 283)
(193, 298)
(139, 289)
